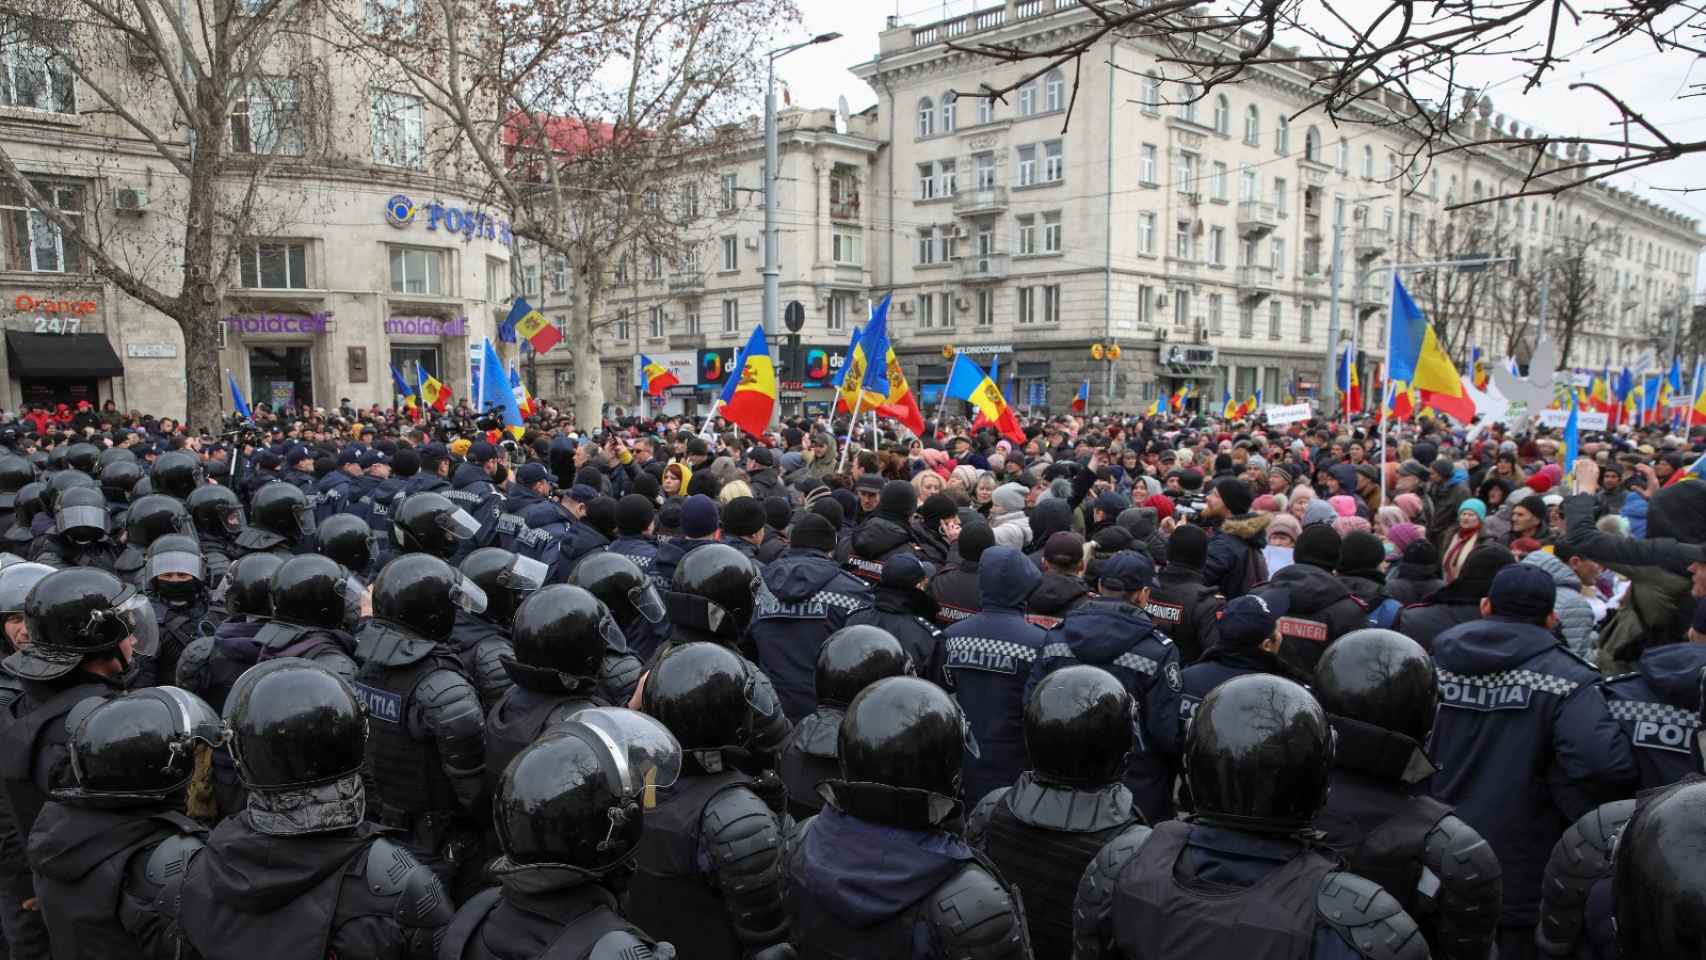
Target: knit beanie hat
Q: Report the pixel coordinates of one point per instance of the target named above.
(1318, 546)
(1188, 545)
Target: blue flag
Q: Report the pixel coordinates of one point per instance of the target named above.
(494, 392)
(237, 399)
(876, 347)
(755, 345)
(1408, 327)
(1572, 438)
(847, 362)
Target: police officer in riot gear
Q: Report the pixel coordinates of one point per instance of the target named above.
(1660, 893)
(532, 484)
(569, 813)
(281, 521)
(902, 747)
(430, 523)
(315, 604)
(348, 539)
(426, 758)
(79, 535)
(332, 490)
(1071, 802)
(630, 596)
(472, 488)
(85, 457)
(559, 646)
(104, 849)
(16, 581)
(711, 596)
(177, 473)
(15, 474)
(1658, 705)
(1240, 878)
(148, 519)
(482, 640)
(117, 482)
(26, 506)
(1378, 688)
(802, 598)
(852, 659)
(708, 868)
(299, 873)
(217, 515)
(175, 580)
(635, 516)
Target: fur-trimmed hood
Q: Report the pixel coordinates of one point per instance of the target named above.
(1246, 526)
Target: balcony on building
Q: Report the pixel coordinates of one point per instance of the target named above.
(687, 283)
(844, 199)
(987, 201)
(1256, 219)
(1255, 281)
(981, 268)
(1370, 243)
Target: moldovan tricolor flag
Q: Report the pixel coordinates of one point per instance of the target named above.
(539, 332)
(656, 376)
(1081, 402)
(969, 383)
(750, 394)
(523, 398)
(434, 394)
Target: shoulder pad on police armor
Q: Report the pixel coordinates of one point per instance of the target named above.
(421, 902)
(387, 867)
(1370, 919)
(977, 916)
(170, 858)
(621, 945)
(736, 824)
(978, 820)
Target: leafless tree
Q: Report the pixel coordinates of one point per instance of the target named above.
(169, 76)
(1578, 297)
(1385, 63)
(600, 124)
(1456, 300)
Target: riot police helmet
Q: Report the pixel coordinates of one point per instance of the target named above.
(347, 539)
(1659, 875)
(40, 460)
(139, 746)
(15, 472)
(175, 553)
(81, 515)
(1080, 727)
(708, 696)
(153, 517)
(723, 576)
(27, 502)
(576, 797)
(83, 456)
(508, 578)
(248, 589)
(16, 582)
(315, 591)
(215, 510)
(431, 523)
(620, 583)
(1258, 754)
(56, 457)
(560, 628)
(62, 481)
(177, 473)
(421, 592)
(902, 746)
(81, 612)
(281, 508)
(855, 657)
(1379, 677)
(113, 455)
(293, 723)
(118, 479)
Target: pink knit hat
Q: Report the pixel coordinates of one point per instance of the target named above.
(1404, 534)
(1343, 505)
(1265, 504)
(1410, 504)
(1347, 525)
(1285, 523)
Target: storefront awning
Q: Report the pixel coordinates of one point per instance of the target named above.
(61, 355)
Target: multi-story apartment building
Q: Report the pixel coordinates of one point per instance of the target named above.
(1194, 231)
(367, 250)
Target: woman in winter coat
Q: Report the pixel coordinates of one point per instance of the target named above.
(1461, 542)
(1007, 516)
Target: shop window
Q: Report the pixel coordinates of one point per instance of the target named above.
(32, 242)
(417, 270)
(274, 266)
(33, 78)
(399, 130)
(267, 119)
(497, 280)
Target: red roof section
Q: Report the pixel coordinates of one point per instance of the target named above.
(567, 136)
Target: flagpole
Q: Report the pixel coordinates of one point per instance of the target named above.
(1386, 385)
(852, 427)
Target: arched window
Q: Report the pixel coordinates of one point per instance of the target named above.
(1368, 163)
(1054, 91)
(1433, 184)
(1344, 163)
(1312, 145)
(985, 109)
(1252, 125)
(926, 117)
(1282, 136)
(1475, 190)
(1188, 102)
(948, 100)
(1151, 93)
(1222, 115)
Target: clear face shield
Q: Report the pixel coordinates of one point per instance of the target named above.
(177, 561)
(466, 594)
(351, 591)
(460, 524)
(131, 616)
(81, 524)
(231, 519)
(643, 756)
(647, 602)
(524, 575)
(305, 524)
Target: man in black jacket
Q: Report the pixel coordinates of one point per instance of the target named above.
(1323, 609)
(1458, 601)
(1182, 605)
(1062, 589)
(903, 607)
(955, 587)
(1235, 561)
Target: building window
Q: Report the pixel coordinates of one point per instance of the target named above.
(623, 332)
(33, 243)
(1273, 320)
(731, 316)
(1306, 323)
(1182, 243)
(986, 308)
(1222, 116)
(838, 305)
(274, 266)
(726, 194)
(1252, 126)
(1280, 201)
(1054, 161)
(1054, 91)
(1217, 181)
(1051, 232)
(1051, 303)
(692, 318)
(1182, 309)
(1145, 304)
(1344, 163)
(399, 130)
(1282, 136)
(926, 181)
(985, 109)
(1027, 165)
(926, 311)
(1188, 102)
(1217, 246)
(530, 280)
(1247, 321)
(926, 117)
(1028, 99)
(947, 310)
(654, 267)
(34, 78)
(417, 270)
(847, 246)
(1146, 232)
(1249, 187)
(690, 200)
(1278, 254)
(1386, 220)
(731, 253)
(947, 179)
(985, 164)
(926, 247)
(1216, 319)
(497, 280)
(1027, 235)
(560, 272)
(654, 322)
(1312, 145)
(1146, 169)
(1151, 93)
(1027, 305)
(948, 100)
(268, 119)
(1186, 175)
(383, 16)
(1367, 162)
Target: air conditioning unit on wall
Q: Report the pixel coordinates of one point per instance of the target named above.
(752, 243)
(129, 200)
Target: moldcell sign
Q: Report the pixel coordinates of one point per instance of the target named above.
(401, 212)
(314, 323)
(426, 327)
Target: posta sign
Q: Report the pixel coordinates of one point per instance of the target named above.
(401, 212)
(28, 304)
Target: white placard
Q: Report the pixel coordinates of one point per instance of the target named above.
(1290, 413)
(1585, 419)
(152, 351)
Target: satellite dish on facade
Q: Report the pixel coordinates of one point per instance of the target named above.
(841, 114)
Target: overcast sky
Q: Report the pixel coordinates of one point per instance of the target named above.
(1653, 83)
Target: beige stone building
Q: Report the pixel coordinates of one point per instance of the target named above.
(364, 253)
(1195, 232)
